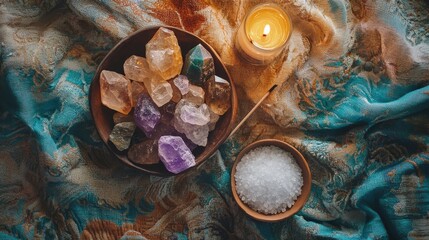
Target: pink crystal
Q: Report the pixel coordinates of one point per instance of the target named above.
(174, 153)
(115, 91)
(163, 54)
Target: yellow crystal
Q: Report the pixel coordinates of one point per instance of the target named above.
(163, 54)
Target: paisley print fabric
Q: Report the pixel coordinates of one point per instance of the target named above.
(353, 96)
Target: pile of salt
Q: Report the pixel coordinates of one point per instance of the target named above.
(268, 179)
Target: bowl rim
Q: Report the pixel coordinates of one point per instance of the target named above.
(234, 99)
(306, 188)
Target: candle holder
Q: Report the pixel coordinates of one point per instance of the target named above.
(263, 34)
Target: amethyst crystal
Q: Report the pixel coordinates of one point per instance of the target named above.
(182, 83)
(192, 121)
(146, 115)
(174, 153)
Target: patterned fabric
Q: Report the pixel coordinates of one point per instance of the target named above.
(353, 97)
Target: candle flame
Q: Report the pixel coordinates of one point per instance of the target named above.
(267, 30)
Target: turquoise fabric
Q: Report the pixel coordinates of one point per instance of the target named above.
(360, 118)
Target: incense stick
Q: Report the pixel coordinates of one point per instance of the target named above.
(251, 111)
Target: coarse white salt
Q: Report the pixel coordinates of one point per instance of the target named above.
(268, 179)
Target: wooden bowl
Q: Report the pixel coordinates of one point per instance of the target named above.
(135, 45)
(306, 188)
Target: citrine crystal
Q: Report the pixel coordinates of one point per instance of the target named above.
(115, 91)
(163, 54)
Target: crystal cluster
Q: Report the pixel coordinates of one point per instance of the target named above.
(163, 112)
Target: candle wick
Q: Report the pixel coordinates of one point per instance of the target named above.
(264, 35)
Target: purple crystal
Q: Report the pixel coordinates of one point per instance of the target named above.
(193, 124)
(174, 153)
(195, 115)
(146, 114)
(182, 83)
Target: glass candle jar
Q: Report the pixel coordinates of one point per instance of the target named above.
(263, 34)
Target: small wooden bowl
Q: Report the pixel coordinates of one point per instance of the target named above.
(135, 45)
(306, 188)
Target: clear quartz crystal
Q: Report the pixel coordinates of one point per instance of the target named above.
(161, 93)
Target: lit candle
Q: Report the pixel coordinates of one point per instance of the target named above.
(263, 34)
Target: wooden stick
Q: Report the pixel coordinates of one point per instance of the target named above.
(253, 110)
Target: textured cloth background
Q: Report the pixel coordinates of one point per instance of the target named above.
(353, 97)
